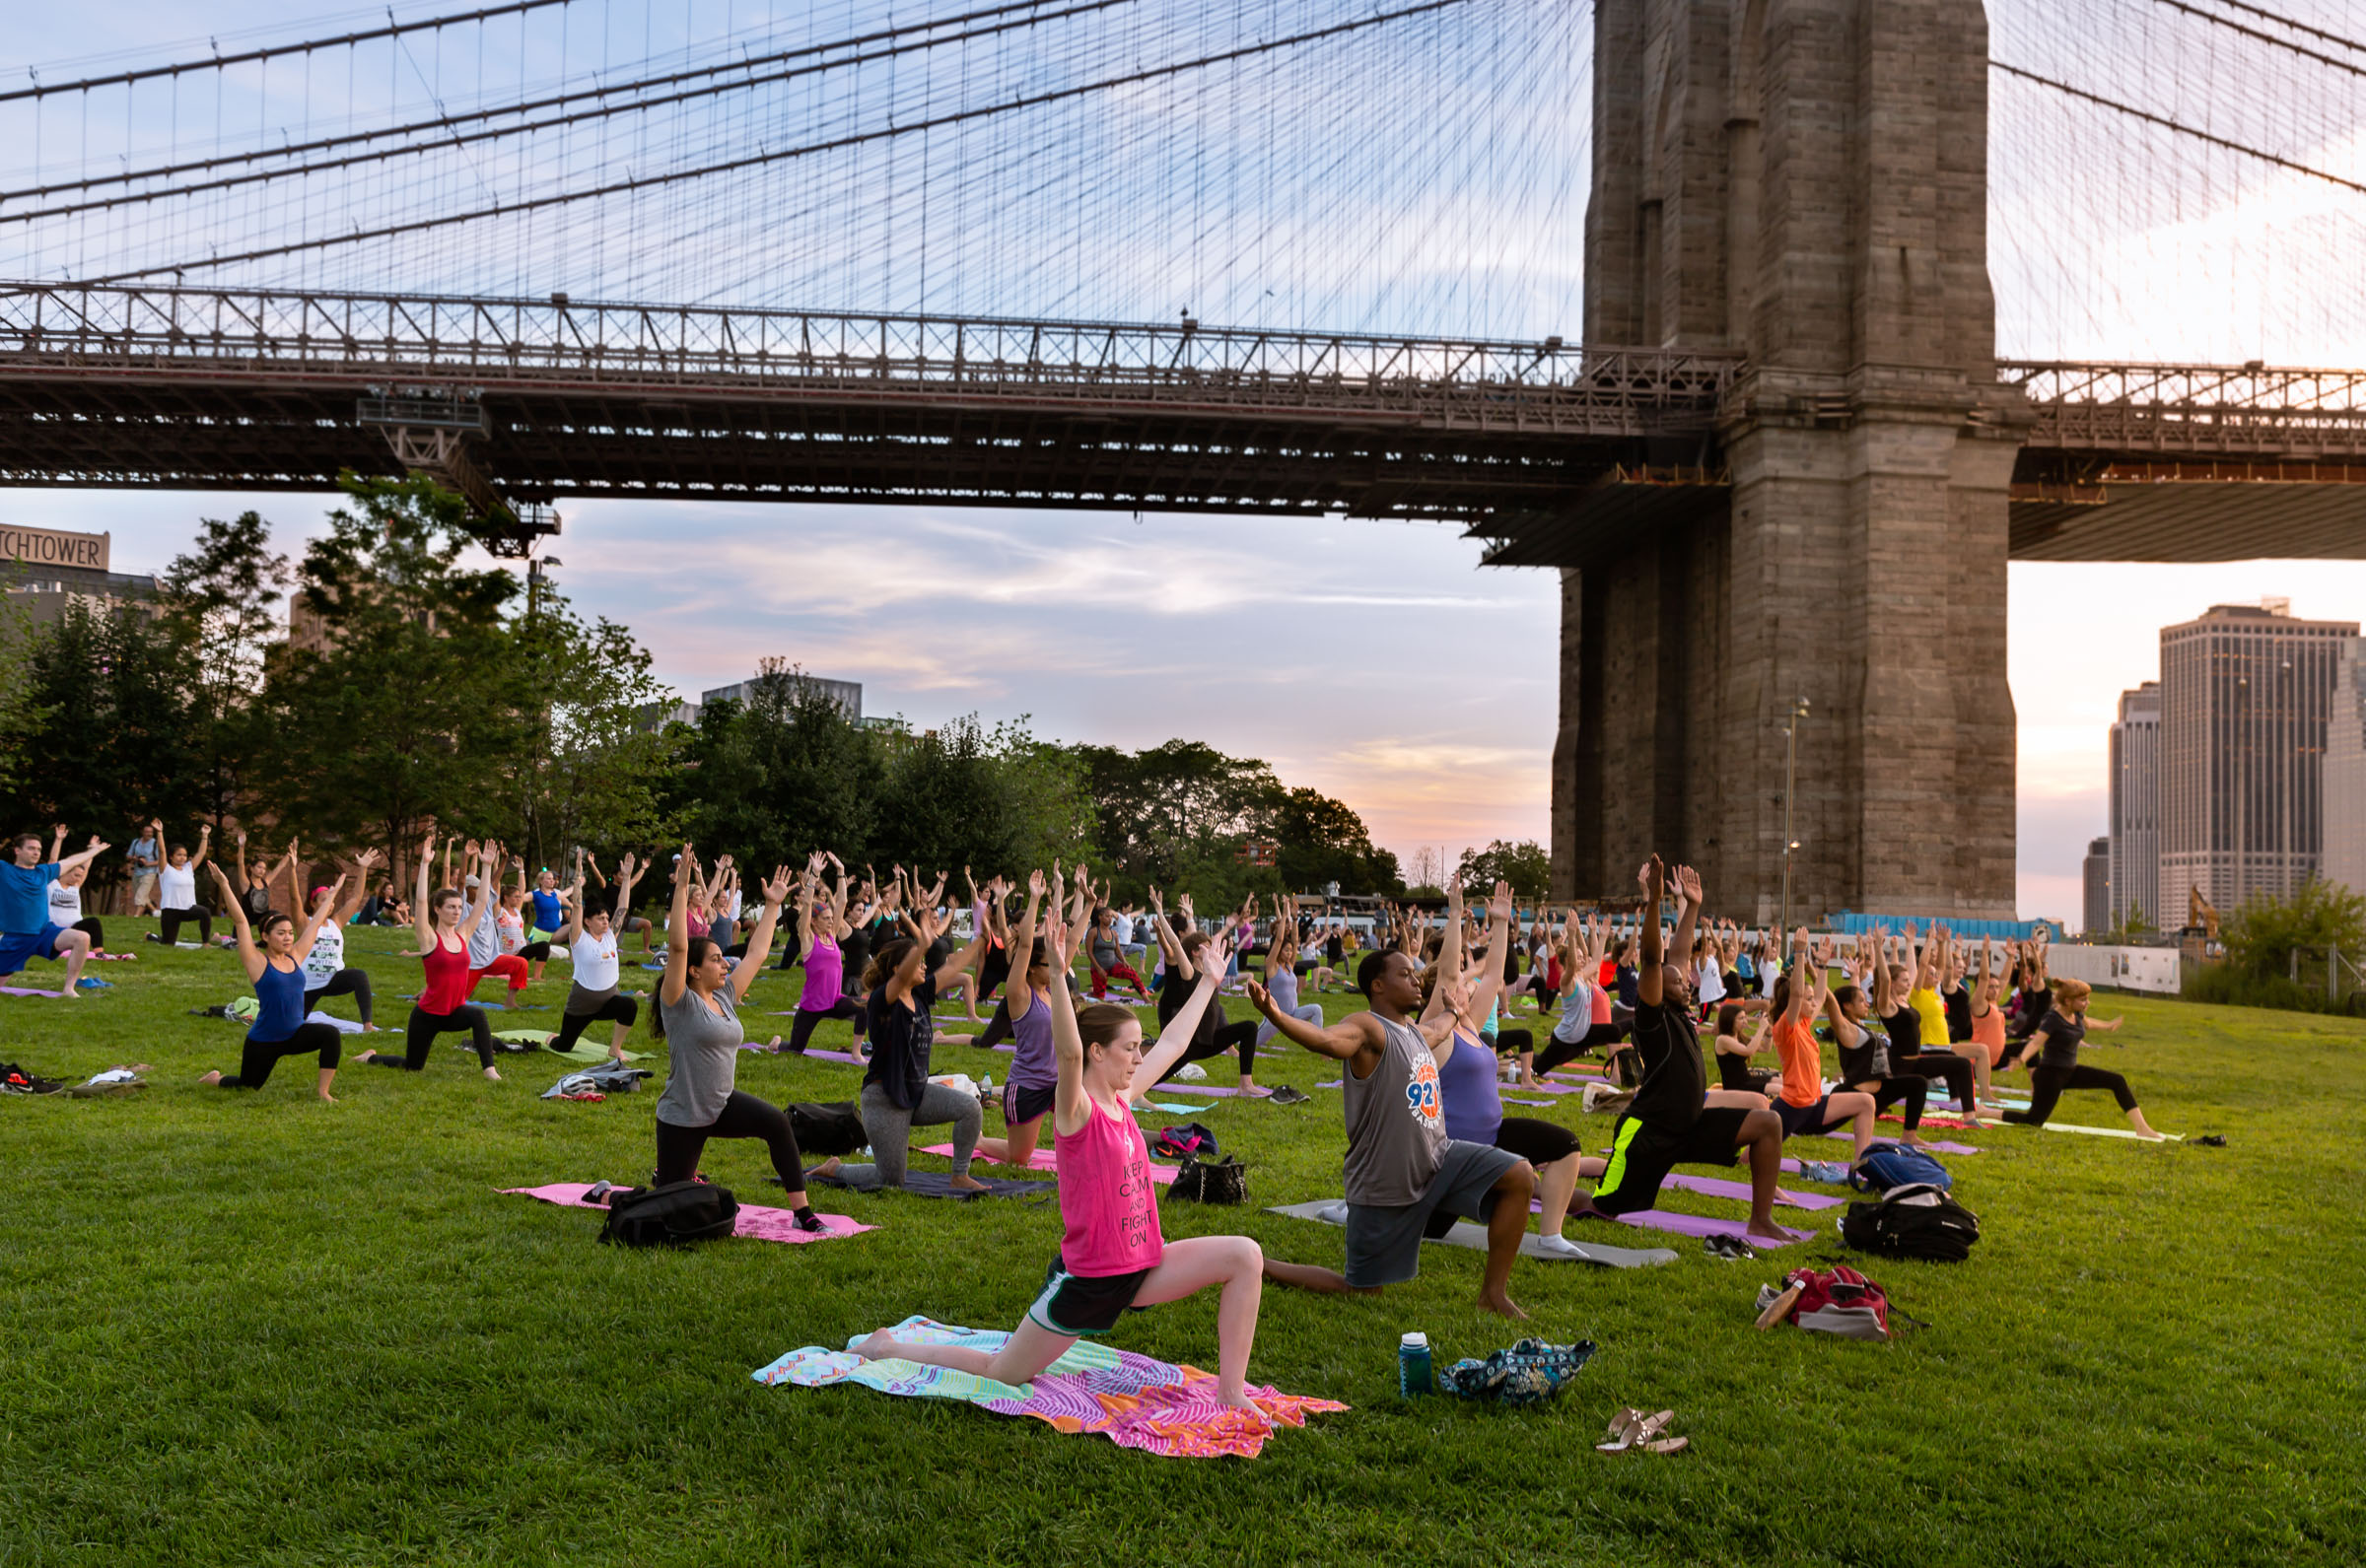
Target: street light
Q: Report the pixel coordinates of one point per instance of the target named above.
(535, 580)
(1790, 781)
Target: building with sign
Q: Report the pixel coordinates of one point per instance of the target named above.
(44, 570)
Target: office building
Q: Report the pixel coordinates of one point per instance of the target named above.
(2136, 810)
(848, 695)
(2247, 695)
(2096, 873)
(44, 570)
(2345, 773)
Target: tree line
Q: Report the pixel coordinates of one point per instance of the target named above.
(420, 685)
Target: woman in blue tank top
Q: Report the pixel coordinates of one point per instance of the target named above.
(279, 1028)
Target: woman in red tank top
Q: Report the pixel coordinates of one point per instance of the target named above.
(442, 1006)
(1112, 1256)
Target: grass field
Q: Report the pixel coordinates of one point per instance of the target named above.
(256, 1330)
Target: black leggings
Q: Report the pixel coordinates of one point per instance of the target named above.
(2045, 1086)
(1240, 1037)
(536, 952)
(259, 1056)
(1559, 1051)
(1956, 1070)
(743, 1117)
(171, 920)
(420, 1036)
(354, 983)
(1887, 1092)
(91, 930)
(998, 1028)
(1511, 1041)
(615, 1010)
(809, 1019)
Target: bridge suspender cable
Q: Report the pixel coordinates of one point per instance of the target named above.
(273, 51)
(806, 150)
(2166, 123)
(2268, 38)
(2282, 20)
(1034, 9)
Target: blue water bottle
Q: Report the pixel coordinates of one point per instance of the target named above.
(1415, 1374)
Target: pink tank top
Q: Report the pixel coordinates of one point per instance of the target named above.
(826, 974)
(1600, 1003)
(1106, 1200)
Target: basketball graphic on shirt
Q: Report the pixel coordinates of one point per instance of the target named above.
(1420, 1092)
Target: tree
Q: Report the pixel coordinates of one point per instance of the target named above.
(219, 601)
(1320, 841)
(415, 691)
(20, 716)
(784, 773)
(1525, 865)
(2263, 936)
(1179, 814)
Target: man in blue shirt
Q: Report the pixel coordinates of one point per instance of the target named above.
(25, 930)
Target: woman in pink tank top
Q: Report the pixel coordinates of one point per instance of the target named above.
(1112, 1256)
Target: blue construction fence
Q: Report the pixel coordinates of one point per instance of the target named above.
(1995, 931)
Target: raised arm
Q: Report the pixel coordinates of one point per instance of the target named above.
(95, 847)
(248, 954)
(1017, 995)
(1688, 912)
(676, 977)
(1174, 1037)
(1805, 996)
(1354, 1036)
(423, 918)
(572, 926)
(759, 945)
(1654, 877)
(1449, 959)
(324, 910)
(359, 875)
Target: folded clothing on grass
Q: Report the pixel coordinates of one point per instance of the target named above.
(760, 1224)
(1334, 1211)
(1160, 1175)
(1130, 1400)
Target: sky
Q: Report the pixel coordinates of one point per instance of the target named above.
(1377, 662)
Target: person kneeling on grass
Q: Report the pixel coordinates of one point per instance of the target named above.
(1674, 1119)
(279, 1028)
(1401, 1166)
(25, 930)
(1112, 1256)
(2058, 1068)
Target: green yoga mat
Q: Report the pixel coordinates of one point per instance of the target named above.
(2113, 1132)
(585, 1055)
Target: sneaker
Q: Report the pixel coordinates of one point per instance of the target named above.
(1286, 1095)
(599, 1190)
(1191, 1072)
(810, 1223)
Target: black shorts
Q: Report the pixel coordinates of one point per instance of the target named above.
(1803, 1118)
(1025, 1104)
(1640, 1156)
(1077, 1305)
(1540, 1143)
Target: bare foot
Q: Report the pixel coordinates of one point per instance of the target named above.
(1915, 1140)
(328, 1098)
(774, 1044)
(367, 1056)
(369, 1029)
(828, 1167)
(1773, 1233)
(1500, 1304)
(68, 994)
(211, 1079)
(492, 1074)
(1239, 1399)
(1250, 1091)
(966, 1184)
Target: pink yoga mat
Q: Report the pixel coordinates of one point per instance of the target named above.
(20, 991)
(764, 1224)
(1044, 1160)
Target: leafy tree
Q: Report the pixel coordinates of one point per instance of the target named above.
(779, 776)
(1525, 865)
(413, 687)
(1322, 840)
(2265, 934)
(1179, 814)
(220, 603)
(20, 716)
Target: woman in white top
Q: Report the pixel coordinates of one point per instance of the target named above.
(324, 971)
(177, 888)
(65, 895)
(590, 939)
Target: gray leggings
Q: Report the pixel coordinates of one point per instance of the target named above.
(889, 1127)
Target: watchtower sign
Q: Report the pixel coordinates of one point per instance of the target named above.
(47, 547)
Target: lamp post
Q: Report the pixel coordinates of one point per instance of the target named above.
(1790, 783)
(535, 580)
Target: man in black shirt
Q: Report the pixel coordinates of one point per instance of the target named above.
(1669, 1122)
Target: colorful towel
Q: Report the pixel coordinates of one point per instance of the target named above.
(1160, 1175)
(756, 1221)
(1938, 1119)
(1130, 1400)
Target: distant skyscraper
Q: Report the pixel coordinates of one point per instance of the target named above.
(2246, 695)
(2096, 872)
(2136, 809)
(2345, 773)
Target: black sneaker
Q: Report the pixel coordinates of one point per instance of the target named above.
(1284, 1094)
(598, 1191)
(809, 1222)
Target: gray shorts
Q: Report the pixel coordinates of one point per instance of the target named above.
(1385, 1245)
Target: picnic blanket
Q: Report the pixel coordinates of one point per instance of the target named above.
(1334, 1211)
(1044, 1160)
(755, 1221)
(1130, 1400)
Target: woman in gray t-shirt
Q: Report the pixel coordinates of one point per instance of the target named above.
(698, 1016)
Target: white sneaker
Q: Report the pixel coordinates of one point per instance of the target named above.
(1191, 1072)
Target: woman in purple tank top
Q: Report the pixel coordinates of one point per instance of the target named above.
(1112, 1255)
(820, 925)
(1035, 1068)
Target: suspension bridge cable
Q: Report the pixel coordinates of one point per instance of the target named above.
(532, 106)
(273, 51)
(2178, 126)
(2268, 38)
(783, 155)
(2282, 20)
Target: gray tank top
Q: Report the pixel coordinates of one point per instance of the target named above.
(703, 1045)
(1396, 1122)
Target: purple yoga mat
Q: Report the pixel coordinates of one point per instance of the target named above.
(1509, 1100)
(20, 990)
(1702, 1225)
(1941, 1145)
(1714, 1187)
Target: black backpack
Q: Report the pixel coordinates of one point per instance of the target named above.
(831, 1129)
(1917, 1220)
(670, 1215)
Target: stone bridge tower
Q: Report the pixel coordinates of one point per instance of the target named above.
(1803, 182)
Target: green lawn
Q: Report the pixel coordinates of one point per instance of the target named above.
(256, 1330)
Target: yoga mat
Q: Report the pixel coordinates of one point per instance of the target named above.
(1717, 1187)
(2113, 1132)
(1045, 1160)
(760, 1224)
(20, 990)
(1935, 1119)
(1474, 1237)
(1170, 1107)
(1939, 1145)
(939, 1184)
(1509, 1100)
(342, 1026)
(585, 1056)
(1091, 1390)
(815, 1053)
(1208, 1088)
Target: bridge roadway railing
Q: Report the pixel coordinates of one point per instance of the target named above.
(291, 338)
(2254, 412)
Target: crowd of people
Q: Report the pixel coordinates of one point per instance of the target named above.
(1914, 1019)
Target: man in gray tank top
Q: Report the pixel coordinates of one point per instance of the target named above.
(1401, 1167)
